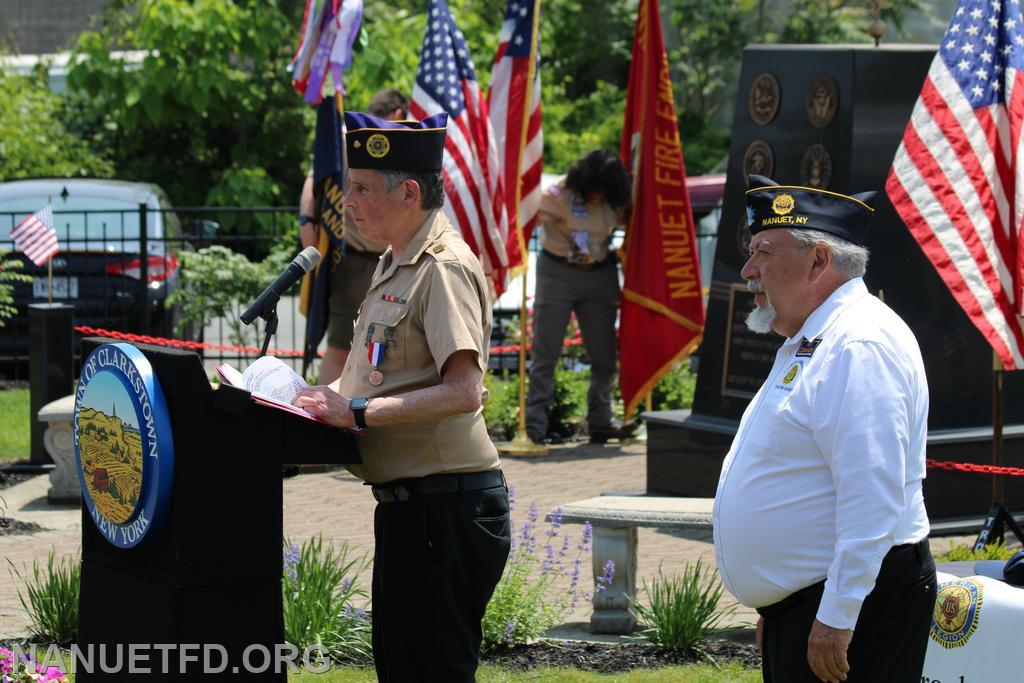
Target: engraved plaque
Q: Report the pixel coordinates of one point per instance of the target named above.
(758, 159)
(822, 101)
(763, 100)
(748, 356)
(816, 167)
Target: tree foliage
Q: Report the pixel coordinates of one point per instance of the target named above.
(209, 112)
(33, 140)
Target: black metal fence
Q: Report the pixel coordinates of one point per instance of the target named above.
(101, 272)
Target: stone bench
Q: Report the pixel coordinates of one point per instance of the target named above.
(615, 520)
(59, 441)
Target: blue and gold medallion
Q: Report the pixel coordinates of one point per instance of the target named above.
(123, 444)
(957, 612)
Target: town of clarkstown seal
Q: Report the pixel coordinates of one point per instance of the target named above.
(123, 444)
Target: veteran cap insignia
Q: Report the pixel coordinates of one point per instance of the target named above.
(783, 204)
(377, 146)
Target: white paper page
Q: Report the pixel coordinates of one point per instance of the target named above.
(271, 378)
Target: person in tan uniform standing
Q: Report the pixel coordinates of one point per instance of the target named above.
(350, 277)
(577, 274)
(415, 386)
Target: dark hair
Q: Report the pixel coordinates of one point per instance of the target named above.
(431, 185)
(386, 101)
(600, 172)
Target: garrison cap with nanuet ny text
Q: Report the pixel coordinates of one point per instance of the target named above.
(380, 145)
(770, 205)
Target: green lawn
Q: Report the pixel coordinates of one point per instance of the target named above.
(689, 673)
(14, 425)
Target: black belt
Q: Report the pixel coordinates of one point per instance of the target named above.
(403, 490)
(349, 251)
(899, 557)
(587, 265)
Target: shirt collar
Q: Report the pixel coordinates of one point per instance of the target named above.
(424, 237)
(822, 317)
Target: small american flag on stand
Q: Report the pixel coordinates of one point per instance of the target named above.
(514, 103)
(958, 177)
(447, 82)
(36, 237)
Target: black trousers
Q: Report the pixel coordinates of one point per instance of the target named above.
(891, 635)
(436, 562)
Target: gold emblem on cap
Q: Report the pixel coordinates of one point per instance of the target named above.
(783, 204)
(377, 146)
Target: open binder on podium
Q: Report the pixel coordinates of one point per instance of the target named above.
(211, 574)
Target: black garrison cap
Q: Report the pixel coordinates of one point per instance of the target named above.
(770, 205)
(380, 145)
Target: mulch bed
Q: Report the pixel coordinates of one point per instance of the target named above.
(8, 526)
(12, 527)
(606, 658)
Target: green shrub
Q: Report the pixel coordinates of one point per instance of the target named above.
(9, 275)
(52, 604)
(675, 390)
(683, 610)
(501, 411)
(532, 595)
(962, 552)
(320, 587)
(569, 406)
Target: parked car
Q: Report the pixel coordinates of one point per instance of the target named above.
(99, 266)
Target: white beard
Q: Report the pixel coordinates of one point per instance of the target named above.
(761, 318)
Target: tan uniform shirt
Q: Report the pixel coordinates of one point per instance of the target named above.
(424, 305)
(354, 239)
(575, 229)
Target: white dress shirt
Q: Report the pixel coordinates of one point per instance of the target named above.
(824, 475)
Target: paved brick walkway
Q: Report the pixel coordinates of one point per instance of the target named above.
(336, 504)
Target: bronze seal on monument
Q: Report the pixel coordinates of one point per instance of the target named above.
(763, 100)
(822, 101)
(758, 159)
(816, 168)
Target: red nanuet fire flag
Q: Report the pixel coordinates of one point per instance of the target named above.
(662, 317)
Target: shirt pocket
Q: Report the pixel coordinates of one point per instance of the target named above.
(387, 325)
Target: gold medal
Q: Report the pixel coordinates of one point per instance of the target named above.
(376, 378)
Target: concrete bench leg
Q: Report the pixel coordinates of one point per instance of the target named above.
(59, 441)
(612, 611)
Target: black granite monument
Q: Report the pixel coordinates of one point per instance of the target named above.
(832, 117)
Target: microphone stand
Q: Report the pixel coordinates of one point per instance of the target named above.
(270, 329)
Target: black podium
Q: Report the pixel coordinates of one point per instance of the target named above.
(212, 575)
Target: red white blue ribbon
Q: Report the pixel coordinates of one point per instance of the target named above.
(376, 353)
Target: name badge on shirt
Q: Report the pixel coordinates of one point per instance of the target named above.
(579, 207)
(789, 379)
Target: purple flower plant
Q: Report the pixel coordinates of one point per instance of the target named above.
(291, 562)
(607, 576)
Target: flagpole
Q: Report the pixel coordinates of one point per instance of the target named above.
(521, 444)
(998, 518)
(49, 265)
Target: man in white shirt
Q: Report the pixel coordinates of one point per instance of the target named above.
(819, 519)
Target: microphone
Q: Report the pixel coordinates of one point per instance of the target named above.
(303, 262)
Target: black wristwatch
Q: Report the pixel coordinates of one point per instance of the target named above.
(358, 408)
(306, 218)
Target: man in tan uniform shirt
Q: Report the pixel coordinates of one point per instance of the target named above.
(414, 386)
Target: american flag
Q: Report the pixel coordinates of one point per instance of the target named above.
(447, 82)
(36, 237)
(957, 180)
(517, 121)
